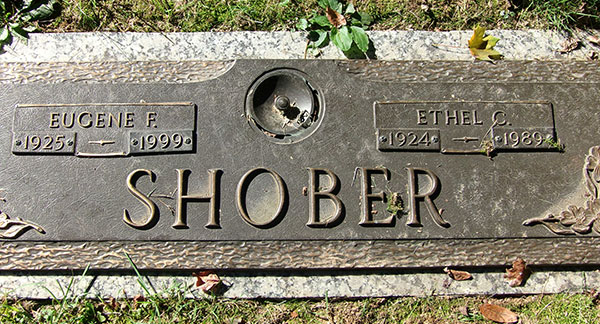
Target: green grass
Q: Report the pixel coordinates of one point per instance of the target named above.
(561, 308)
(270, 15)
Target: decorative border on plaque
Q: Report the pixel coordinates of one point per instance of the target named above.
(13, 228)
(140, 72)
(578, 220)
(313, 254)
(466, 71)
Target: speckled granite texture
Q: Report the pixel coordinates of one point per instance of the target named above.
(307, 285)
(389, 45)
(401, 45)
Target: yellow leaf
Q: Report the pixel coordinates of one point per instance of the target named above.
(485, 54)
(477, 39)
(482, 46)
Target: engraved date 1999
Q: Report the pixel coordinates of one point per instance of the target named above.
(163, 141)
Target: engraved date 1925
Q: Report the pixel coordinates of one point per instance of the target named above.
(55, 142)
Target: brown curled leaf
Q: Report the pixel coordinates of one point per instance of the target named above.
(594, 40)
(458, 275)
(518, 273)
(335, 18)
(498, 314)
(138, 299)
(569, 45)
(207, 281)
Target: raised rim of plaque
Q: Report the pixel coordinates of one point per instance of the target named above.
(284, 105)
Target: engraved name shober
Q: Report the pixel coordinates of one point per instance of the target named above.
(316, 192)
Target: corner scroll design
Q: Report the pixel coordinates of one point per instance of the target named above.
(13, 228)
(578, 220)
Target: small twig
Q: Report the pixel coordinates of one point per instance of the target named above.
(306, 48)
(163, 196)
(447, 46)
(354, 176)
(490, 129)
(541, 310)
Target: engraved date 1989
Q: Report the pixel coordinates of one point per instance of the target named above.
(522, 138)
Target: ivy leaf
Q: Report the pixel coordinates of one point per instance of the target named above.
(365, 18)
(321, 21)
(4, 35)
(323, 4)
(17, 31)
(341, 38)
(335, 5)
(29, 29)
(335, 18)
(42, 12)
(360, 38)
(350, 9)
(318, 37)
(28, 4)
(482, 47)
(302, 24)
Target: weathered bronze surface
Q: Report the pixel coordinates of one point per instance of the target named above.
(298, 164)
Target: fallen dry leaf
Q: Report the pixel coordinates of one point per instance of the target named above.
(482, 46)
(594, 294)
(335, 18)
(518, 273)
(112, 302)
(569, 45)
(498, 314)
(457, 274)
(137, 299)
(464, 310)
(594, 40)
(207, 281)
(294, 314)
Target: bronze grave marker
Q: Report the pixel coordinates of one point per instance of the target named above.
(299, 164)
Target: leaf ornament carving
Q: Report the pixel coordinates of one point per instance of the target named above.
(13, 228)
(578, 220)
